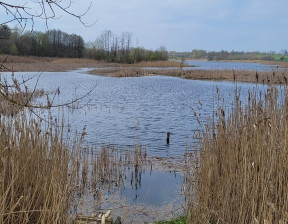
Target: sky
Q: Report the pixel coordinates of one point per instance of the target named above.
(182, 25)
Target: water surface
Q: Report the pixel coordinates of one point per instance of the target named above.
(128, 111)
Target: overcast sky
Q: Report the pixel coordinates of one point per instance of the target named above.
(183, 25)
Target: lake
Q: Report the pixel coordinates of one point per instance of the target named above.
(124, 112)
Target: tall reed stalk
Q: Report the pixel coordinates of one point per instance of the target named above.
(242, 171)
(37, 170)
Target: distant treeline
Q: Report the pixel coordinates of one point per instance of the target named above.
(113, 48)
(56, 43)
(53, 43)
(232, 55)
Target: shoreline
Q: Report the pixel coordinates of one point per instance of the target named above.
(281, 64)
(168, 68)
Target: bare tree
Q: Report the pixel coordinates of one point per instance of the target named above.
(23, 12)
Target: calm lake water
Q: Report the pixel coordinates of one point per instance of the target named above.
(127, 111)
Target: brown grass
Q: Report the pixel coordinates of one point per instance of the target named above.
(275, 77)
(38, 167)
(31, 63)
(240, 171)
(40, 64)
(37, 171)
(160, 64)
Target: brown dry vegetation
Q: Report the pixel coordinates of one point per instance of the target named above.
(275, 77)
(239, 174)
(21, 63)
(39, 64)
(37, 171)
(160, 64)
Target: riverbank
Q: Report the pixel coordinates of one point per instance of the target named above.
(166, 68)
(263, 77)
(48, 64)
(281, 64)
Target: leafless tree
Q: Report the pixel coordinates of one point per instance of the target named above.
(25, 12)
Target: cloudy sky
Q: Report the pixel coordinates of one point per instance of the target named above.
(183, 25)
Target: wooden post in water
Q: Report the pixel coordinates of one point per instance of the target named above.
(168, 138)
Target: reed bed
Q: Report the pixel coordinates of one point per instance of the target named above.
(240, 173)
(123, 72)
(40, 64)
(162, 64)
(274, 77)
(106, 167)
(37, 171)
(38, 165)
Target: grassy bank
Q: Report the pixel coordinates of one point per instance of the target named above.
(49, 64)
(275, 77)
(168, 68)
(240, 170)
(180, 220)
(44, 64)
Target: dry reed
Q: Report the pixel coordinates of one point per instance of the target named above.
(38, 172)
(240, 170)
(40, 64)
(162, 64)
(273, 77)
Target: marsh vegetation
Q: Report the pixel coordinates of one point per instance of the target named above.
(239, 173)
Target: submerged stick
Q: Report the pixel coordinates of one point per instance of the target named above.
(168, 138)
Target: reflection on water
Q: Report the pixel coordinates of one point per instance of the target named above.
(156, 188)
(128, 182)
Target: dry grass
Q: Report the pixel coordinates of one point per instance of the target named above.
(37, 171)
(275, 77)
(161, 64)
(38, 167)
(40, 64)
(31, 63)
(123, 72)
(240, 172)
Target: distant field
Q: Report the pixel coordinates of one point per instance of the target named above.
(31, 63)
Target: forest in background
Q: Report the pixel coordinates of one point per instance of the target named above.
(111, 48)
(231, 55)
(56, 43)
